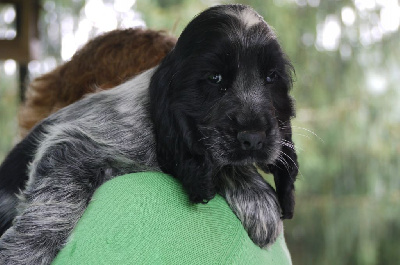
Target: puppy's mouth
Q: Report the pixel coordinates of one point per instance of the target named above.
(267, 154)
(243, 147)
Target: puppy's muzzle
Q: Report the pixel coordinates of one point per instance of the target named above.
(251, 140)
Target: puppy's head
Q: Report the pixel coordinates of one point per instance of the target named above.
(222, 94)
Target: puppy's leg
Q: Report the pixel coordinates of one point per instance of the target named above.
(61, 184)
(197, 179)
(41, 229)
(254, 202)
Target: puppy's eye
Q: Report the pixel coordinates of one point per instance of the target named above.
(215, 78)
(271, 77)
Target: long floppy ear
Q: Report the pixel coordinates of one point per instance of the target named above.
(177, 152)
(285, 170)
(286, 167)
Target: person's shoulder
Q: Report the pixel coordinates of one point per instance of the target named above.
(147, 218)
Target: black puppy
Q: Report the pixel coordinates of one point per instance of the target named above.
(217, 106)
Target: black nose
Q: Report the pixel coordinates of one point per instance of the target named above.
(251, 140)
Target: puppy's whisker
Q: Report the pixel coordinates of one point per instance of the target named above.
(291, 145)
(313, 133)
(294, 163)
(203, 138)
(294, 148)
(283, 123)
(284, 162)
(279, 159)
(302, 135)
(286, 156)
(288, 144)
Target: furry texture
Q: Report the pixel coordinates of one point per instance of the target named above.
(104, 62)
(216, 106)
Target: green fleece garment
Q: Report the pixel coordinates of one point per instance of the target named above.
(146, 218)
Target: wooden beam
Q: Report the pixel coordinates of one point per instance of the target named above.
(25, 46)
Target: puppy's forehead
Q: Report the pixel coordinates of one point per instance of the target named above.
(236, 27)
(247, 16)
(249, 27)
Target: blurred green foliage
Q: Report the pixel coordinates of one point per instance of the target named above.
(347, 129)
(8, 113)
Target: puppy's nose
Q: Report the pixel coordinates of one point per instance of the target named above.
(251, 140)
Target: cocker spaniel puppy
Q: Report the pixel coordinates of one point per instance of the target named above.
(215, 108)
(104, 62)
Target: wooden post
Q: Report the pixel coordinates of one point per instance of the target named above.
(25, 46)
(23, 79)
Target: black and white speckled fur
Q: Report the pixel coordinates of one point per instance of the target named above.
(170, 118)
(79, 151)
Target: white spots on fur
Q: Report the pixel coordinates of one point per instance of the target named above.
(92, 138)
(116, 120)
(132, 89)
(250, 18)
(247, 16)
(251, 27)
(254, 202)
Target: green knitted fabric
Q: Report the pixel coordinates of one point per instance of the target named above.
(146, 218)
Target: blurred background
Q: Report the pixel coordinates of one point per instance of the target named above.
(347, 59)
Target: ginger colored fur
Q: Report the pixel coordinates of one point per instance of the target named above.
(103, 63)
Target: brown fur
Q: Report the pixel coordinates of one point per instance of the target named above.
(104, 62)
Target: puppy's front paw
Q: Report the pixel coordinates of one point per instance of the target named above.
(254, 202)
(203, 197)
(259, 213)
(263, 224)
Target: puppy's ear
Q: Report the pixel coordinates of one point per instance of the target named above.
(177, 152)
(285, 170)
